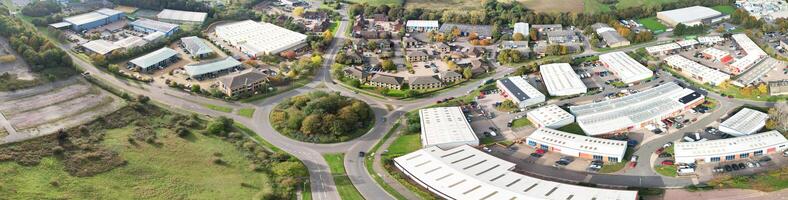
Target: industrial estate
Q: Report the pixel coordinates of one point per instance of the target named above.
(390, 99)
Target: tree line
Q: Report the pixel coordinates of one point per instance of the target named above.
(41, 8)
(35, 49)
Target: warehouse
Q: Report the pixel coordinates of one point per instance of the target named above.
(754, 75)
(663, 49)
(691, 16)
(577, 145)
(521, 28)
(561, 80)
(697, 71)
(421, 25)
(93, 19)
(150, 26)
(753, 51)
(482, 31)
(182, 17)
(624, 67)
(196, 47)
(710, 40)
(611, 37)
(446, 128)
(131, 42)
(717, 55)
(731, 149)
(518, 90)
(155, 60)
(468, 173)
(635, 110)
(260, 38)
(745, 122)
(550, 116)
(101, 47)
(211, 69)
(687, 43)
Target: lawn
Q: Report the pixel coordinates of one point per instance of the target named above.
(346, 189)
(517, 123)
(379, 2)
(666, 170)
(218, 108)
(574, 6)
(246, 112)
(614, 167)
(572, 128)
(725, 9)
(653, 24)
(405, 144)
(641, 3)
(593, 6)
(772, 180)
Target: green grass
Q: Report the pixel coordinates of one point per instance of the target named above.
(517, 123)
(572, 128)
(614, 167)
(218, 108)
(641, 3)
(379, 2)
(246, 112)
(593, 6)
(346, 189)
(405, 144)
(666, 170)
(177, 169)
(653, 24)
(768, 181)
(725, 9)
(368, 163)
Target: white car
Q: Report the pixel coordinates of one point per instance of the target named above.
(634, 159)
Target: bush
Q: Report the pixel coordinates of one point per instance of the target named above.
(322, 117)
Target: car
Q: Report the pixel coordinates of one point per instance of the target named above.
(488, 150)
(666, 145)
(735, 167)
(765, 159)
(667, 162)
(785, 153)
(718, 169)
(487, 134)
(659, 151)
(633, 164)
(750, 164)
(509, 124)
(633, 159)
(728, 168)
(568, 159)
(536, 155)
(361, 154)
(561, 162)
(493, 128)
(742, 166)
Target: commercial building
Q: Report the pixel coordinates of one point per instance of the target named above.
(154, 60)
(745, 122)
(93, 19)
(196, 47)
(260, 38)
(778, 87)
(421, 25)
(562, 36)
(635, 110)
(717, 55)
(446, 128)
(624, 67)
(131, 42)
(182, 17)
(101, 47)
(697, 71)
(244, 83)
(561, 80)
(731, 149)
(424, 82)
(691, 16)
(755, 73)
(150, 26)
(211, 69)
(754, 54)
(577, 145)
(468, 173)
(153, 36)
(518, 90)
(687, 43)
(521, 28)
(550, 116)
(663, 49)
(710, 40)
(611, 37)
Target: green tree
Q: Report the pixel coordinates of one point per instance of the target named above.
(196, 88)
(312, 125)
(467, 73)
(289, 169)
(388, 65)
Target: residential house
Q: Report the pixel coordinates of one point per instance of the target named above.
(417, 56)
(442, 47)
(409, 42)
(386, 81)
(315, 15)
(424, 82)
(380, 17)
(356, 73)
(354, 57)
(449, 76)
(479, 67)
(478, 52)
(244, 83)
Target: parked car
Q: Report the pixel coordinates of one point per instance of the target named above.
(536, 155)
(665, 155)
(488, 150)
(633, 164)
(718, 170)
(361, 154)
(735, 167)
(742, 166)
(728, 168)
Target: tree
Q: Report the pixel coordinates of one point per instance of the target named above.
(778, 118)
(388, 65)
(289, 54)
(355, 83)
(763, 88)
(327, 36)
(518, 37)
(311, 125)
(467, 73)
(289, 169)
(196, 88)
(298, 11)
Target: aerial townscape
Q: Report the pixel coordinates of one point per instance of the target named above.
(394, 99)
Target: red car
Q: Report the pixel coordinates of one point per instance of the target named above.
(540, 151)
(633, 164)
(667, 162)
(659, 151)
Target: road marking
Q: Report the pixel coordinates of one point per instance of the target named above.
(7, 125)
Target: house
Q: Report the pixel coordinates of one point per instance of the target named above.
(380, 17)
(478, 52)
(424, 82)
(315, 15)
(442, 47)
(319, 25)
(409, 42)
(356, 73)
(561, 36)
(449, 76)
(244, 83)
(479, 67)
(372, 34)
(417, 56)
(353, 57)
(385, 45)
(386, 81)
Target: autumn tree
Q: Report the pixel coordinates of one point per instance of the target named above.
(467, 73)
(298, 11)
(518, 37)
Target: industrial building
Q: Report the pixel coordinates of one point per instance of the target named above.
(93, 19)
(731, 149)
(518, 90)
(550, 116)
(580, 146)
(663, 49)
(754, 75)
(260, 38)
(421, 25)
(196, 47)
(482, 31)
(717, 55)
(131, 42)
(636, 110)
(101, 47)
(625, 68)
(691, 16)
(468, 173)
(211, 69)
(710, 40)
(150, 26)
(688, 43)
(753, 51)
(446, 128)
(182, 17)
(778, 87)
(745, 122)
(611, 37)
(521, 28)
(561, 80)
(697, 71)
(154, 60)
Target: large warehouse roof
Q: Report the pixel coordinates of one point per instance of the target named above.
(109, 12)
(689, 15)
(422, 23)
(102, 47)
(749, 47)
(130, 42)
(195, 45)
(179, 15)
(630, 111)
(258, 38)
(730, 146)
(549, 115)
(746, 121)
(85, 18)
(446, 127)
(561, 80)
(211, 66)
(152, 58)
(626, 68)
(759, 70)
(520, 89)
(468, 173)
(590, 145)
(703, 73)
(154, 25)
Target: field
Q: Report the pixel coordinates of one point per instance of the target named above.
(574, 6)
(379, 2)
(346, 189)
(594, 6)
(246, 112)
(653, 24)
(725, 9)
(517, 123)
(405, 144)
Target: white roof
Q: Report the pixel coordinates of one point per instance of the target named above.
(630, 111)
(179, 15)
(690, 14)
(561, 80)
(745, 122)
(153, 36)
(522, 28)
(155, 25)
(710, 39)
(626, 68)
(260, 37)
(154, 57)
(662, 48)
(744, 63)
(445, 127)
(549, 114)
(100, 46)
(686, 43)
(85, 18)
(423, 23)
(195, 45)
(759, 70)
(467, 173)
(750, 47)
(706, 74)
(716, 53)
(519, 88)
(585, 144)
(730, 146)
(131, 42)
(108, 12)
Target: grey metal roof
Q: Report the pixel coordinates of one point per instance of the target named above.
(85, 18)
(152, 58)
(155, 25)
(211, 66)
(612, 37)
(196, 46)
(380, 78)
(419, 80)
(485, 30)
(180, 15)
(515, 91)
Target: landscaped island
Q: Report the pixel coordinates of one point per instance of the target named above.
(322, 117)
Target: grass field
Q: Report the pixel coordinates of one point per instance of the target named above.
(517, 123)
(218, 108)
(405, 144)
(653, 24)
(337, 165)
(593, 6)
(666, 170)
(725, 9)
(772, 180)
(379, 2)
(246, 112)
(176, 169)
(574, 6)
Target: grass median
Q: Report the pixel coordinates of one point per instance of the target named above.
(345, 187)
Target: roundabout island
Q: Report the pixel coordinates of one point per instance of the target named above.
(322, 117)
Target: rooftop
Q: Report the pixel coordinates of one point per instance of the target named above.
(690, 14)
(445, 127)
(549, 114)
(423, 23)
(100, 46)
(746, 121)
(662, 48)
(706, 74)
(85, 18)
(730, 146)
(759, 71)
(750, 47)
(592, 145)
(154, 57)
(196, 46)
(180, 15)
(260, 37)
(211, 66)
(561, 80)
(155, 25)
(625, 68)
(519, 88)
(243, 79)
(481, 30)
(418, 80)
